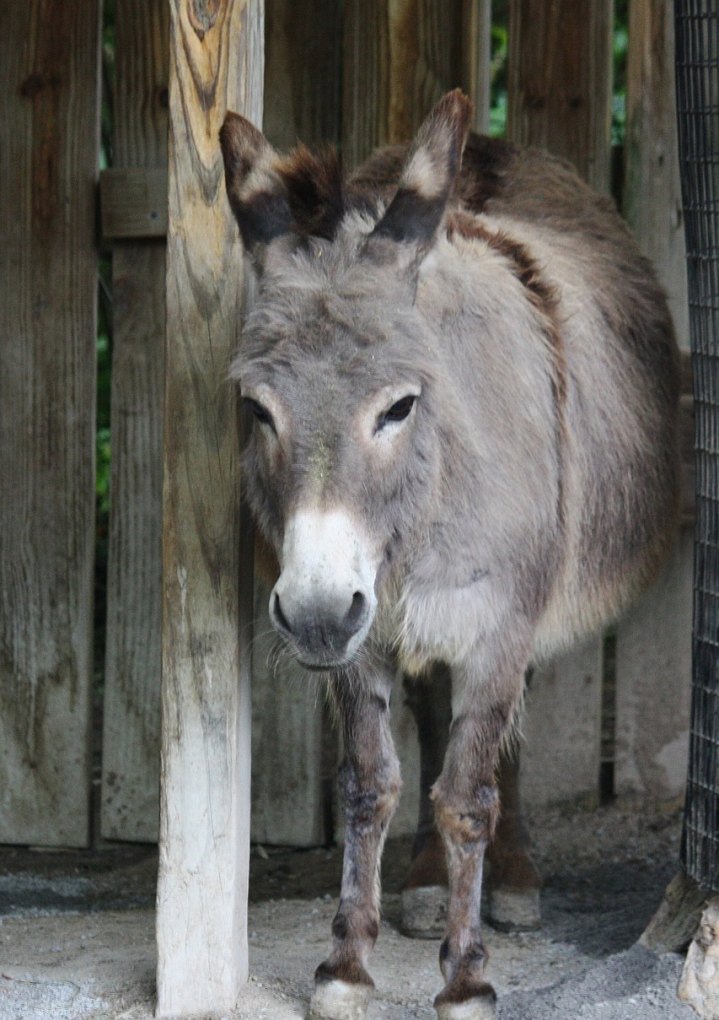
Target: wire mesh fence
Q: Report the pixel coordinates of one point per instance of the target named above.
(697, 67)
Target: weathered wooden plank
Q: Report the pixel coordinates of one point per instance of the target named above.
(216, 61)
(559, 77)
(133, 202)
(131, 721)
(652, 189)
(303, 41)
(559, 81)
(654, 638)
(400, 56)
(49, 135)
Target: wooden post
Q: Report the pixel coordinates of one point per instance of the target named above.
(49, 139)
(131, 737)
(303, 72)
(400, 56)
(654, 647)
(559, 84)
(652, 189)
(559, 81)
(216, 61)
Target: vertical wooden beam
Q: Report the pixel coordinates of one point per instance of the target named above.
(559, 85)
(400, 57)
(131, 721)
(216, 61)
(559, 81)
(303, 95)
(654, 639)
(49, 139)
(652, 189)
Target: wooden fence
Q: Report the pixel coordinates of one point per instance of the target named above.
(358, 74)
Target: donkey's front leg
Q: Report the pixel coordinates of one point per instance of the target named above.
(466, 803)
(369, 786)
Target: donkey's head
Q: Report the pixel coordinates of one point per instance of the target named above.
(338, 367)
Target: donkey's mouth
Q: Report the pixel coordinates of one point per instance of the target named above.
(324, 667)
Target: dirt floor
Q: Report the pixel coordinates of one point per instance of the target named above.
(76, 930)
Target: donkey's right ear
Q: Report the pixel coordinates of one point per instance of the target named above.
(255, 189)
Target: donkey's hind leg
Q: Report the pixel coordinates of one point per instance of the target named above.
(425, 890)
(369, 786)
(513, 900)
(487, 691)
(513, 884)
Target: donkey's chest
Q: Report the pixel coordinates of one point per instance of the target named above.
(428, 619)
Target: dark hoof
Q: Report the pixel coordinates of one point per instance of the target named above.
(513, 909)
(424, 911)
(339, 1000)
(480, 1005)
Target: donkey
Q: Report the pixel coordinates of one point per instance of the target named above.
(463, 379)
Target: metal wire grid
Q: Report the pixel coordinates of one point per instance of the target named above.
(697, 69)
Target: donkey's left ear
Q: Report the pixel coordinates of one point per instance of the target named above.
(407, 229)
(255, 190)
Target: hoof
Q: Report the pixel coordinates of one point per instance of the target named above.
(424, 911)
(514, 909)
(339, 1000)
(479, 1007)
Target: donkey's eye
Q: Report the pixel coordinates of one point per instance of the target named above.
(397, 412)
(259, 413)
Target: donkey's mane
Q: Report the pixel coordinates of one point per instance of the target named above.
(315, 190)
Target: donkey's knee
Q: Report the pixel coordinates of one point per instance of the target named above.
(466, 820)
(369, 801)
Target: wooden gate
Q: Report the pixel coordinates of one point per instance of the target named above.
(359, 74)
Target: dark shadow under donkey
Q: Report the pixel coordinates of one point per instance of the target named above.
(464, 385)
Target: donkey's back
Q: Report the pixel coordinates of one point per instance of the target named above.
(603, 326)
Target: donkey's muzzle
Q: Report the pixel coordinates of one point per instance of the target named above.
(322, 636)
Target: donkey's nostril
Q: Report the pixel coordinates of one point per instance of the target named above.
(279, 616)
(355, 614)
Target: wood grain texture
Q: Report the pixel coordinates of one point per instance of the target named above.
(559, 81)
(652, 189)
(133, 203)
(400, 57)
(49, 134)
(131, 722)
(302, 72)
(654, 637)
(216, 62)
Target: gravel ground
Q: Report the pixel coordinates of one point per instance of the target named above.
(76, 930)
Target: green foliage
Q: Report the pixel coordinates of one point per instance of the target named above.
(498, 74)
(619, 89)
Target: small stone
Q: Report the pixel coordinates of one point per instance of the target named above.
(699, 983)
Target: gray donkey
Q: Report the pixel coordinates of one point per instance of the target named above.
(464, 386)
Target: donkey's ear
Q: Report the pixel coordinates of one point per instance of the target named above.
(255, 190)
(430, 171)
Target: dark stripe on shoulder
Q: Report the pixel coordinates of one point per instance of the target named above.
(543, 297)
